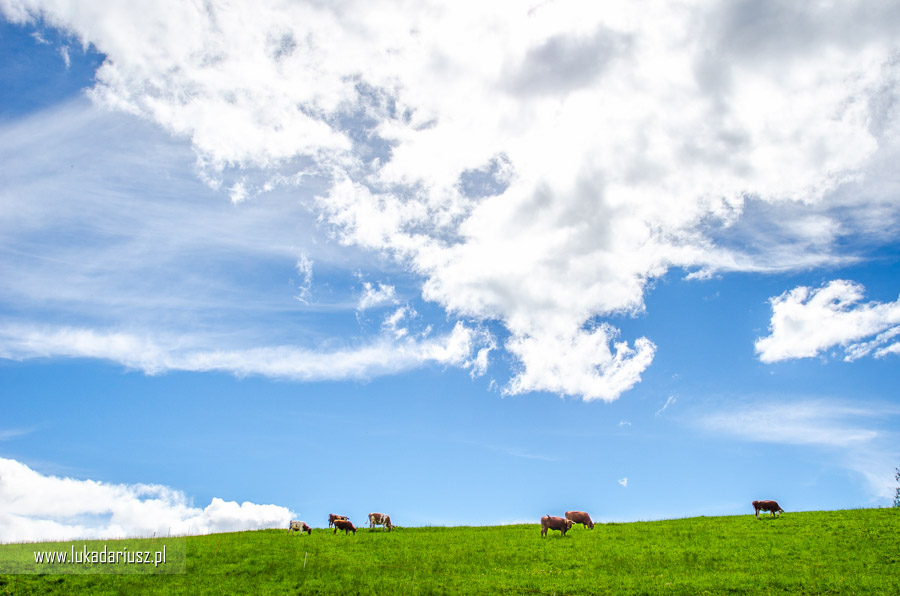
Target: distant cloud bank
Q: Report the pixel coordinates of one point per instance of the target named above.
(38, 507)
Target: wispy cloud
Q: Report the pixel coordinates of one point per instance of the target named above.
(113, 239)
(624, 482)
(305, 270)
(517, 452)
(34, 506)
(155, 282)
(669, 402)
(154, 355)
(14, 433)
(802, 423)
(860, 438)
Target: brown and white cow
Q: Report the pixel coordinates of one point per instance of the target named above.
(380, 519)
(344, 524)
(549, 522)
(299, 526)
(772, 506)
(332, 517)
(580, 517)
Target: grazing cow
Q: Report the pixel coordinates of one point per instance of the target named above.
(555, 523)
(380, 519)
(332, 517)
(344, 524)
(580, 517)
(299, 526)
(772, 506)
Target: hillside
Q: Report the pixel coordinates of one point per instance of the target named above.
(836, 552)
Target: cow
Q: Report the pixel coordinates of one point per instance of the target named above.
(380, 519)
(772, 506)
(344, 524)
(299, 526)
(555, 523)
(580, 517)
(332, 517)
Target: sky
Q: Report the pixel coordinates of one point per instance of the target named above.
(462, 263)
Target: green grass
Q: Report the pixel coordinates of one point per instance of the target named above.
(836, 552)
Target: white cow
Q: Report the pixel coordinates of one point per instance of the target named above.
(380, 519)
(299, 526)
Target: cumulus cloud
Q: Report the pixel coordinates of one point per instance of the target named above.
(536, 166)
(579, 363)
(807, 321)
(34, 506)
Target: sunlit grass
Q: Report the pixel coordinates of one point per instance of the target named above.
(838, 552)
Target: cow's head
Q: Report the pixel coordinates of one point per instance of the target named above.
(569, 524)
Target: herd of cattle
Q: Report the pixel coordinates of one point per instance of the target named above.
(548, 522)
(342, 522)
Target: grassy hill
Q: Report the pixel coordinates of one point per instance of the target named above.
(835, 552)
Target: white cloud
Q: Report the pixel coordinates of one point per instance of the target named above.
(578, 363)
(511, 451)
(374, 295)
(805, 322)
(13, 433)
(624, 482)
(64, 53)
(631, 138)
(805, 423)
(669, 402)
(38, 507)
(394, 322)
(305, 270)
(480, 363)
(855, 436)
(237, 192)
(460, 347)
(111, 281)
(126, 234)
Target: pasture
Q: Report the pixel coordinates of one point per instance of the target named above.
(835, 552)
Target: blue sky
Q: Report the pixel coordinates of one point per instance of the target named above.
(459, 264)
